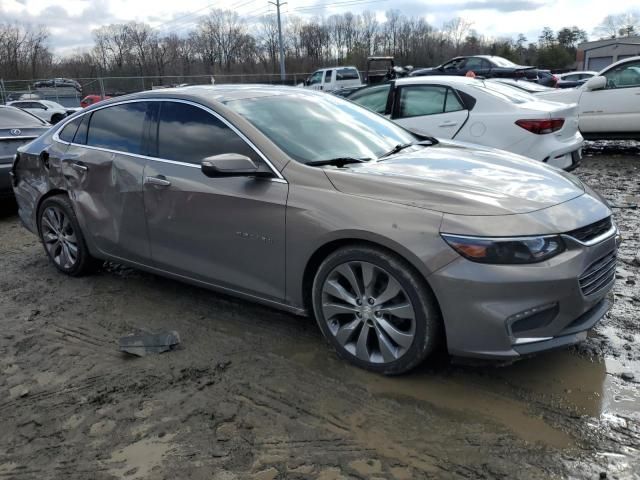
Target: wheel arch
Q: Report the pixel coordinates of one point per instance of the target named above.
(51, 193)
(327, 248)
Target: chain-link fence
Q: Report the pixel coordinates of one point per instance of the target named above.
(69, 93)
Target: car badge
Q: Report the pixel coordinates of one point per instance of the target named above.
(15, 132)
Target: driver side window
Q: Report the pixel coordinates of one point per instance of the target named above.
(315, 78)
(624, 76)
(456, 64)
(189, 134)
(375, 99)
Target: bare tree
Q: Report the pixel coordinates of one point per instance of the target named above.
(457, 31)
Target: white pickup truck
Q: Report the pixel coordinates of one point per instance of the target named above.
(608, 103)
(329, 79)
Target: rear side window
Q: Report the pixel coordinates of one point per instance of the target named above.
(427, 100)
(347, 74)
(328, 76)
(118, 128)
(69, 130)
(187, 133)
(81, 135)
(374, 98)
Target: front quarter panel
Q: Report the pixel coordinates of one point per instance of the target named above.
(318, 214)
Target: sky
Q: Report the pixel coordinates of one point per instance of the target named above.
(71, 21)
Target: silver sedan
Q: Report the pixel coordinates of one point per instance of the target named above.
(394, 242)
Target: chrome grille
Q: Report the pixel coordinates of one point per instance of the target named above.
(599, 274)
(591, 231)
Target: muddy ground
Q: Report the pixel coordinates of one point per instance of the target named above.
(255, 393)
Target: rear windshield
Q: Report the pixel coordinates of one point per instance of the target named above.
(16, 118)
(526, 86)
(502, 62)
(505, 92)
(347, 74)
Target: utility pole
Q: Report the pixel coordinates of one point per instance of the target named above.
(278, 4)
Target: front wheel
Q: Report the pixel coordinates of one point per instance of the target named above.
(375, 310)
(62, 238)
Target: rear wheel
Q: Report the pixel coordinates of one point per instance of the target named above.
(375, 310)
(62, 238)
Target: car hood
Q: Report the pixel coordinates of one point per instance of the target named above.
(459, 179)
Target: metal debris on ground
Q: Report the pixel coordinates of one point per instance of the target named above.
(146, 343)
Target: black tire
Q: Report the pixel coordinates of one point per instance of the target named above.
(83, 263)
(56, 118)
(426, 322)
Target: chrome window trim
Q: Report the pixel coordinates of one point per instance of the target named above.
(279, 178)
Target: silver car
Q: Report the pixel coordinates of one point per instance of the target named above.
(309, 203)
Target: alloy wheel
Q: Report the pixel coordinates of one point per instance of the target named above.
(59, 237)
(368, 311)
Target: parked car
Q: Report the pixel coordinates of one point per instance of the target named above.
(58, 83)
(320, 206)
(329, 79)
(546, 78)
(48, 111)
(524, 85)
(608, 103)
(574, 79)
(17, 127)
(91, 99)
(480, 111)
(487, 66)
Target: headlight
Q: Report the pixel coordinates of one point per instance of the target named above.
(503, 251)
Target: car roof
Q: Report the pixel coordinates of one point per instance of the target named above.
(224, 93)
(620, 62)
(445, 79)
(334, 68)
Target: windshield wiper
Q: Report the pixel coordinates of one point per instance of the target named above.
(428, 141)
(339, 161)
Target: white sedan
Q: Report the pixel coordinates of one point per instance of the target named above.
(609, 103)
(481, 112)
(47, 110)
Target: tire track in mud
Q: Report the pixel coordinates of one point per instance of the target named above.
(284, 404)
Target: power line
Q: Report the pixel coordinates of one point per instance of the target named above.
(179, 23)
(345, 3)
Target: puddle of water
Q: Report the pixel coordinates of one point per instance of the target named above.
(560, 379)
(458, 392)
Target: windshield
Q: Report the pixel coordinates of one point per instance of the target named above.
(16, 118)
(503, 62)
(321, 127)
(505, 92)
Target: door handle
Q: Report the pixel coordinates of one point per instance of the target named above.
(79, 167)
(448, 124)
(159, 181)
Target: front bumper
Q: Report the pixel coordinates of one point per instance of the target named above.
(507, 311)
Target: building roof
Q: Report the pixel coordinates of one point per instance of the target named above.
(632, 40)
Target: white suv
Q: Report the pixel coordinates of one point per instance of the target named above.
(609, 103)
(48, 111)
(330, 79)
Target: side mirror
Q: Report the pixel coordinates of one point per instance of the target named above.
(229, 165)
(596, 83)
